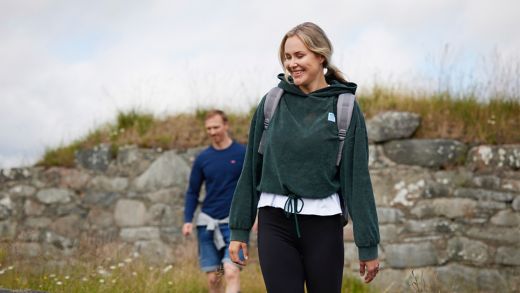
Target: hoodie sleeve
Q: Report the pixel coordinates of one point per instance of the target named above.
(356, 188)
(245, 199)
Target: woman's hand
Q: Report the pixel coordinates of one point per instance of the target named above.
(234, 249)
(369, 269)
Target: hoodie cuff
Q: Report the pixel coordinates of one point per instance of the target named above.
(239, 235)
(367, 253)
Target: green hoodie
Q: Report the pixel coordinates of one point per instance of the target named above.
(300, 159)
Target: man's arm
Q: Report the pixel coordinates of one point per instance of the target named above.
(192, 196)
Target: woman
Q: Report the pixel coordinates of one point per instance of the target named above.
(302, 197)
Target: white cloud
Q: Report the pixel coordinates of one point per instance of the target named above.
(67, 66)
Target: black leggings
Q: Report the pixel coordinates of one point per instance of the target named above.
(288, 262)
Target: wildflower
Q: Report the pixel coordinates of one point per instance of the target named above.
(134, 274)
(2, 272)
(112, 267)
(10, 267)
(128, 260)
(170, 283)
(120, 264)
(166, 269)
(103, 272)
(52, 276)
(84, 279)
(67, 277)
(59, 283)
(150, 268)
(101, 281)
(113, 281)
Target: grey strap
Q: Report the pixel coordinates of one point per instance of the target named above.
(270, 104)
(344, 110)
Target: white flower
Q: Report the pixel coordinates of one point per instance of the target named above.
(128, 260)
(112, 267)
(101, 281)
(134, 274)
(166, 269)
(59, 283)
(67, 277)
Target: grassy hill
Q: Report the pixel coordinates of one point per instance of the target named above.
(443, 116)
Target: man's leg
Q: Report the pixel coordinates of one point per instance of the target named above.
(209, 259)
(231, 270)
(214, 282)
(232, 275)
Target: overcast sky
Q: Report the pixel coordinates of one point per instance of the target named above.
(69, 66)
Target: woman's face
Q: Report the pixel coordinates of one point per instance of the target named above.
(304, 66)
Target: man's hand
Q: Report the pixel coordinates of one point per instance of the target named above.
(234, 249)
(187, 228)
(370, 267)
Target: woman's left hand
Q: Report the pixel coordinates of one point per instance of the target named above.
(369, 269)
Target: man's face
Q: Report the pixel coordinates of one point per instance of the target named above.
(216, 129)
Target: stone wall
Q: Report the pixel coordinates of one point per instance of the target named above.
(449, 212)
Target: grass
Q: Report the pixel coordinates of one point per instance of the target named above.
(442, 116)
(130, 273)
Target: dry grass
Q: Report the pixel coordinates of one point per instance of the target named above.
(114, 268)
(443, 116)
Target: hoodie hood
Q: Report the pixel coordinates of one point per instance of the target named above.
(335, 88)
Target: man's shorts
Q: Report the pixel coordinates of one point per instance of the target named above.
(211, 259)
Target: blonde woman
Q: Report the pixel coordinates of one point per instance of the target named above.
(302, 196)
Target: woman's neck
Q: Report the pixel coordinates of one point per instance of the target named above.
(315, 85)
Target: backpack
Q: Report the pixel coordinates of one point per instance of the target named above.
(344, 107)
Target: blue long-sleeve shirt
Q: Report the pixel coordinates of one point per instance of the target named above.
(220, 170)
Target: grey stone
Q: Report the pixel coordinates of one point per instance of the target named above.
(461, 248)
(38, 222)
(12, 174)
(510, 184)
(154, 251)
(431, 226)
(516, 204)
(161, 214)
(100, 198)
(484, 194)
(167, 171)
(458, 278)
(388, 233)
(5, 213)
(54, 195)
(496, 234)
(32, 208)
(486, 182)
(128, 155)
(447, 207)
(167, 196)
(432, 153)
(507, 218)
(27, 249)
(141, 233)
(96, 158)
(29, 235)
(435, 189)
(130, 213)
(70, 208)
(398, 186)
(7, 230)
(100, 218)
(489, 206)
(58, 241)
(389, 215)
(22, 191)
(392, 125)
(68, 226)
(489, 158)
(508, 256)
(117, 184)
(171, 234)
(410, 255)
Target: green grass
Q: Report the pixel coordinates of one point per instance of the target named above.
(442, 116)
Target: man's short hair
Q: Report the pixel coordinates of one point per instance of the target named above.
(216, 112)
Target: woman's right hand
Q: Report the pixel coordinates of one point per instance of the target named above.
(234, 252)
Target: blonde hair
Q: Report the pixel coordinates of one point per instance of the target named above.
(315, 39)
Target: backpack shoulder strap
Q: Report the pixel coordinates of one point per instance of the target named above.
(344, 110)
(270, 105)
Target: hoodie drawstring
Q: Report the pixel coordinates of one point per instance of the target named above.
(291, 207)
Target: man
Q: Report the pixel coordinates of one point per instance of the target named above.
(219, 166)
